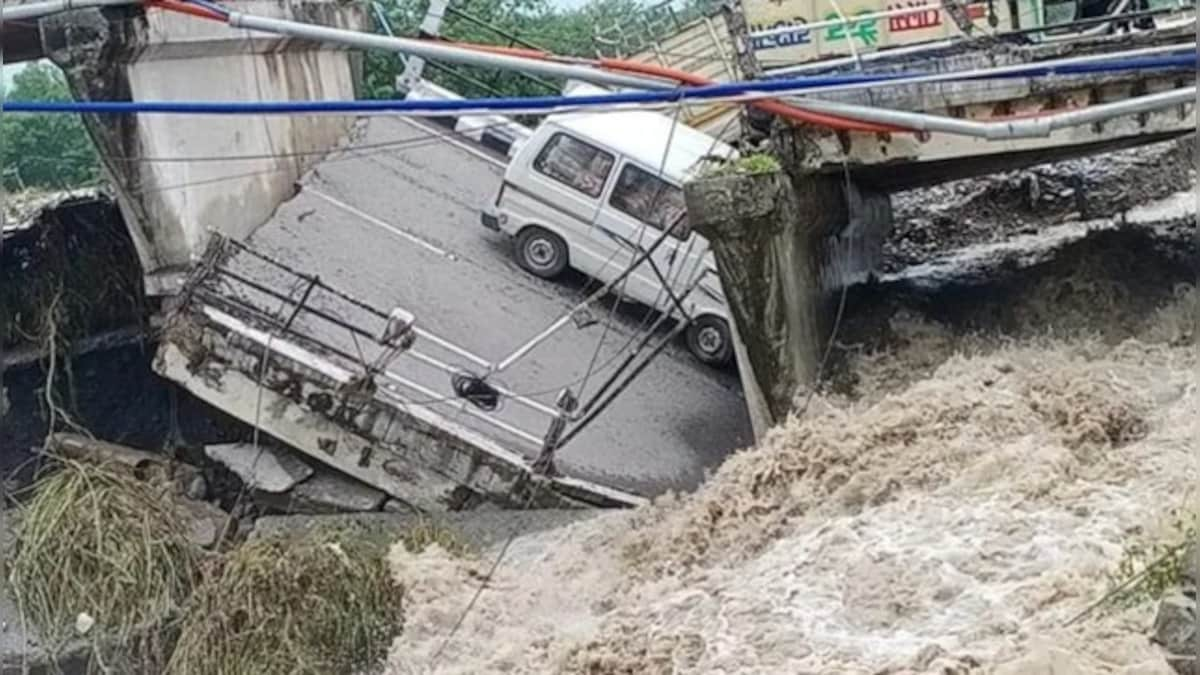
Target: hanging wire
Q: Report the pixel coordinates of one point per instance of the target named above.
(635, 262)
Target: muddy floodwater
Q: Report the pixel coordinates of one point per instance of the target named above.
(989, 445)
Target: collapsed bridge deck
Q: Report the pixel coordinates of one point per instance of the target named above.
(313, 368)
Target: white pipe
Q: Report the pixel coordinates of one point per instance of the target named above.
(441, 52)
(37, 10)
(1036, 127)
(849, 60)
(962, 75)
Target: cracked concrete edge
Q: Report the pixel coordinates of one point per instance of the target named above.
(481, 529)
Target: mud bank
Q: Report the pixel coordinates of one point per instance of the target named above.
(116, 396)
(981, 210)
(962, 494)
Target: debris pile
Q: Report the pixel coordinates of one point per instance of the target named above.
(117, 565)
(99, 551)
(320, 603)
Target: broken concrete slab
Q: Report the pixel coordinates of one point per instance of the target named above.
(76, 446)
(265, 469)
(185, 479)
(325, 493)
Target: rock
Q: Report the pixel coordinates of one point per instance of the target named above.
(265, 469)
(1174, 629)
(87, 449)
(326, 492)
(397, 506)
(196, 488)
(206, 523)
(84, 623)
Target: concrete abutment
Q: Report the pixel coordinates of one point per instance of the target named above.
(785, 245)
(174, 191)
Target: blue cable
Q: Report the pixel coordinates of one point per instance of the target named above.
(538, 103)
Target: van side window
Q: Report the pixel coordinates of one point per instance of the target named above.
(574, 163)
(649, 199)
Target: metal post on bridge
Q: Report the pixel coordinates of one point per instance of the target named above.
(566, 404)
(431, 27)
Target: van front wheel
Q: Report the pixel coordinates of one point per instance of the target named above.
(541, 252)
(710, 340)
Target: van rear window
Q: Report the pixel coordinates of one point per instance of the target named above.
(650, 199)
(576, 164)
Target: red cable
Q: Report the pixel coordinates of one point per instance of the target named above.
(773, 106)
(185, 8)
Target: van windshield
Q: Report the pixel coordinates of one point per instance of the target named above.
(653, 201)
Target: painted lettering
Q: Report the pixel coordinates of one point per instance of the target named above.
(865, 30)
(800, 35)
(929, 18)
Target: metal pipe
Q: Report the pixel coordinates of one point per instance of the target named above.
(1001, 71)
(829, 64)
(1035, 127)
(37, 10)
(433, 50)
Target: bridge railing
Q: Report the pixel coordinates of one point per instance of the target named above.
(353, 335)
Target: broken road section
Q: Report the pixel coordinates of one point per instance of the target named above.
(268, 345)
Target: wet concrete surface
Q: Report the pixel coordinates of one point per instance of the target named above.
(397, 224)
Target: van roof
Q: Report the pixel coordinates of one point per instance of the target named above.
(642, 136)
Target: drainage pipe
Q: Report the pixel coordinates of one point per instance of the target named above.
(432, 50)
(1032, 127)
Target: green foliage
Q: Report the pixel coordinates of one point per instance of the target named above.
(520, 23)
(1147, 571)
(50, 151)
(750, 165)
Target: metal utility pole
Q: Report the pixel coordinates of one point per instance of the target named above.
(753, 120)
(431, 27)
(3, 207)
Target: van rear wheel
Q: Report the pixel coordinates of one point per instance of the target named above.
(710, 340)
(541, 252)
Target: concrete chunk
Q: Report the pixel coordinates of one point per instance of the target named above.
(329, 491)
(273, 471)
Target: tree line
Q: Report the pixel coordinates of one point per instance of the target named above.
(54, 151)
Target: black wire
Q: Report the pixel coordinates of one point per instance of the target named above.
(351, 152)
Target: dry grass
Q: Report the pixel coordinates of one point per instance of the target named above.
(321, 602)
(98, 541)
(418, 537)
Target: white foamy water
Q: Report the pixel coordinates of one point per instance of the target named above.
(958, 521)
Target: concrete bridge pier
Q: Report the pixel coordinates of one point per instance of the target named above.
(174, 187)
(785, 245)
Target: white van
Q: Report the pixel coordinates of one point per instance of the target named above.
(593, 191)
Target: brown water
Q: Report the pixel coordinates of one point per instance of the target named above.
(952, 507)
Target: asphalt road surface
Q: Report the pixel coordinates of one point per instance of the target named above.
(395, 223)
